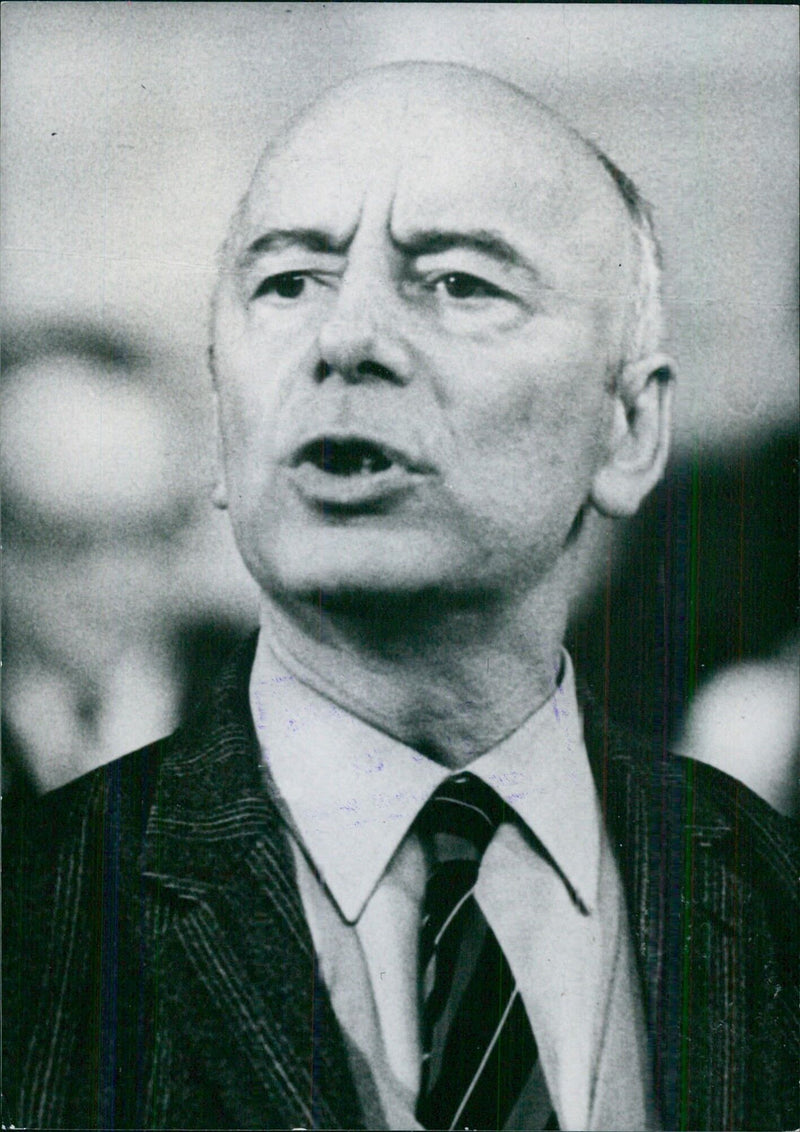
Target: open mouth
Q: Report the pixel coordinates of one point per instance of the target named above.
(345, 457)
(346, 475)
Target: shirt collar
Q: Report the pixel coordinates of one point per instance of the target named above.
(351, 792)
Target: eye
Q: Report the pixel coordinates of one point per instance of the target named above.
(460, 285)
(286, 285)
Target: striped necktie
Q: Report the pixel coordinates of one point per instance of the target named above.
(478, 1049)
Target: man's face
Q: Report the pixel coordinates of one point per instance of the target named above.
(413, 341)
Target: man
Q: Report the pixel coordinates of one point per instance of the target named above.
(99, 511)
(436, 361)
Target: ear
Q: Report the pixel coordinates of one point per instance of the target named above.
(640, 436)
(219, 492)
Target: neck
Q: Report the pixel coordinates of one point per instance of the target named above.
(450, 679)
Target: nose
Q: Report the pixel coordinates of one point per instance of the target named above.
(362, 338)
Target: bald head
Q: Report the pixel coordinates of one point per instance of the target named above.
(441, 117)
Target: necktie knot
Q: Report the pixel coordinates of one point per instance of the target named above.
(463, 809)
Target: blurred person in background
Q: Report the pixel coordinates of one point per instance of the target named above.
(101, 502)
(745, 719)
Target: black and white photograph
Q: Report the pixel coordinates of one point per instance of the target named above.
(400, 650)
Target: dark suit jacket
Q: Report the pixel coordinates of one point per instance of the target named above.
(160, 972)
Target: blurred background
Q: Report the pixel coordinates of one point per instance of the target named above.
(129, 132)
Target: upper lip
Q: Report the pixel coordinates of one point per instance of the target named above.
(317, 447)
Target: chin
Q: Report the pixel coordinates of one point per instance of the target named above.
(349, 567)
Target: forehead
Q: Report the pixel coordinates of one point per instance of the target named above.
(443, 156)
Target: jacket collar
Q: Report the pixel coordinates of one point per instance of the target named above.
(254, 1009)
(673, 823)
(209, 804)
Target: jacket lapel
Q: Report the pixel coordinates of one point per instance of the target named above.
(249, 1001)
(685, 906)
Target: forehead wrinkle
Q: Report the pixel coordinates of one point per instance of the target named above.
(540, 154)
(291, 197)
(417, 99)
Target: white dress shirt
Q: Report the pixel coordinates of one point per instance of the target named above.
(549, 888)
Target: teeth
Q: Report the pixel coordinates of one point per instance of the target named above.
(343, 458)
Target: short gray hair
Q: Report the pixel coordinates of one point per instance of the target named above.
(646, 326)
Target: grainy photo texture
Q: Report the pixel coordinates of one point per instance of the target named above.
(399, 463)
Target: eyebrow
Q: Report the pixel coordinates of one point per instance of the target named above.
(434, 241)
(431, 241)
(277, 239)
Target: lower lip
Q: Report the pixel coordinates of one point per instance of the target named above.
(358, 490)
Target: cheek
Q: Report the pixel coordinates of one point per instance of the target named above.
(249, 385)
(241, 414)
(526, 432)
(544, 391)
